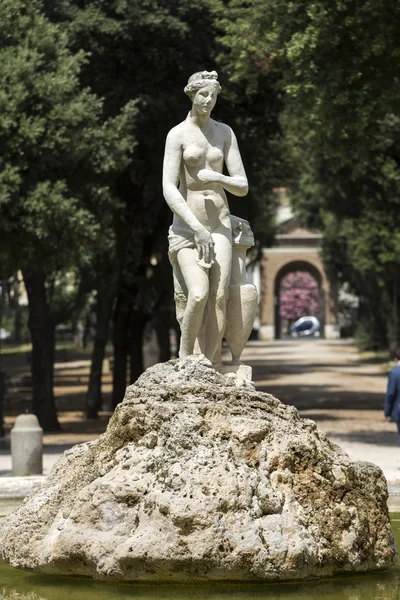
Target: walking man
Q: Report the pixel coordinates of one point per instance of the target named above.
(392, 400)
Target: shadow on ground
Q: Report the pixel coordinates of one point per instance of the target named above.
(275, 369)
(380, 438)
(305, 397)
(320, 416)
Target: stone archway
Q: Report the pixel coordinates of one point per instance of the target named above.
(295, 246)
(291, 267)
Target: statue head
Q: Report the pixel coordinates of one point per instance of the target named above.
(201, 79)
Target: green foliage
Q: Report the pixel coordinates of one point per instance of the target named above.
(8, 322)
(57, 153)
(252, 102)
(337, 65)
(146, 51)
(143, 52)
(364, 336)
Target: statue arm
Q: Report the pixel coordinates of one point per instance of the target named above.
(171, 170)
(236, 183)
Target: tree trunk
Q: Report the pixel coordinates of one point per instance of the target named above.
(121, 349)
(93, 394)
(161, 326)
(137, 326)
(86, 332)
(17, 324)
(394, 321)
(17, 333)
(2, 397)
(2, 375)
(43, 345)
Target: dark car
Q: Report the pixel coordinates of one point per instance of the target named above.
(305, 326)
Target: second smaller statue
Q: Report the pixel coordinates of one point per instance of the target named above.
(207, 246)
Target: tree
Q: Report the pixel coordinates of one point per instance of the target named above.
(299, 296)
(57, 158)
(340, 117)
(125, 63)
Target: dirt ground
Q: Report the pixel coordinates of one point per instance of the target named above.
(327, 382)
(70, 385)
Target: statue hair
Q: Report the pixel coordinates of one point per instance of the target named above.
(199, 80)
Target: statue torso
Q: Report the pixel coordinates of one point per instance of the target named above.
(203, 150)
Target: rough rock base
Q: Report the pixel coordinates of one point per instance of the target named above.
(200, 477)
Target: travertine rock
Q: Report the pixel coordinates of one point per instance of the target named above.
(197, 477)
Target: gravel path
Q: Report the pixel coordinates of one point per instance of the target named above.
(327, 382)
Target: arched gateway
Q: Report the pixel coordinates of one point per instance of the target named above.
(296, 249)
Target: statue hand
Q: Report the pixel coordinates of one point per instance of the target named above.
(208, 176)
(205, 245)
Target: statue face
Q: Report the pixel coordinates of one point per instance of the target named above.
(205, 98)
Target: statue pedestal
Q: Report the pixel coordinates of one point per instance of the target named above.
(201, 478)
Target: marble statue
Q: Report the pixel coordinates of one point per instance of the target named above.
(207, 246)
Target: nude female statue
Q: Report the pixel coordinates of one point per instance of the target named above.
(201, 234)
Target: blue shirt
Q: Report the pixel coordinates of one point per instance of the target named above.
(392, 400)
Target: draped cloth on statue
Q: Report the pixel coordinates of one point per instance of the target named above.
(178, 238)
(181, 237)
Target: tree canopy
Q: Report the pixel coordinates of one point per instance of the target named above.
(57, 154)
(59, 157)
(337, 66)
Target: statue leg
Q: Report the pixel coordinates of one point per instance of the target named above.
(217, 298)
(180, 295)
(197, 285)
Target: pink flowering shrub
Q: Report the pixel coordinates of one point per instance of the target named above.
(299, 296)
